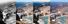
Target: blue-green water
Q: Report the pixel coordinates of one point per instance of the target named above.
(29, 17)
(45, 18)
(63, 19)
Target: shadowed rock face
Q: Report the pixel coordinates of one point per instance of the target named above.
(8, 10)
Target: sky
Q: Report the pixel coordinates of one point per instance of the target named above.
(32, 0)
(58, 0)
(23, 0)
(42, 0)
(2, 1)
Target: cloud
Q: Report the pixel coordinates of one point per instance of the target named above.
(4, 1)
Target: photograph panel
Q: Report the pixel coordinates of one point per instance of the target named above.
(59, 13)
(41, 12)
(7, 13)
(24, 13)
